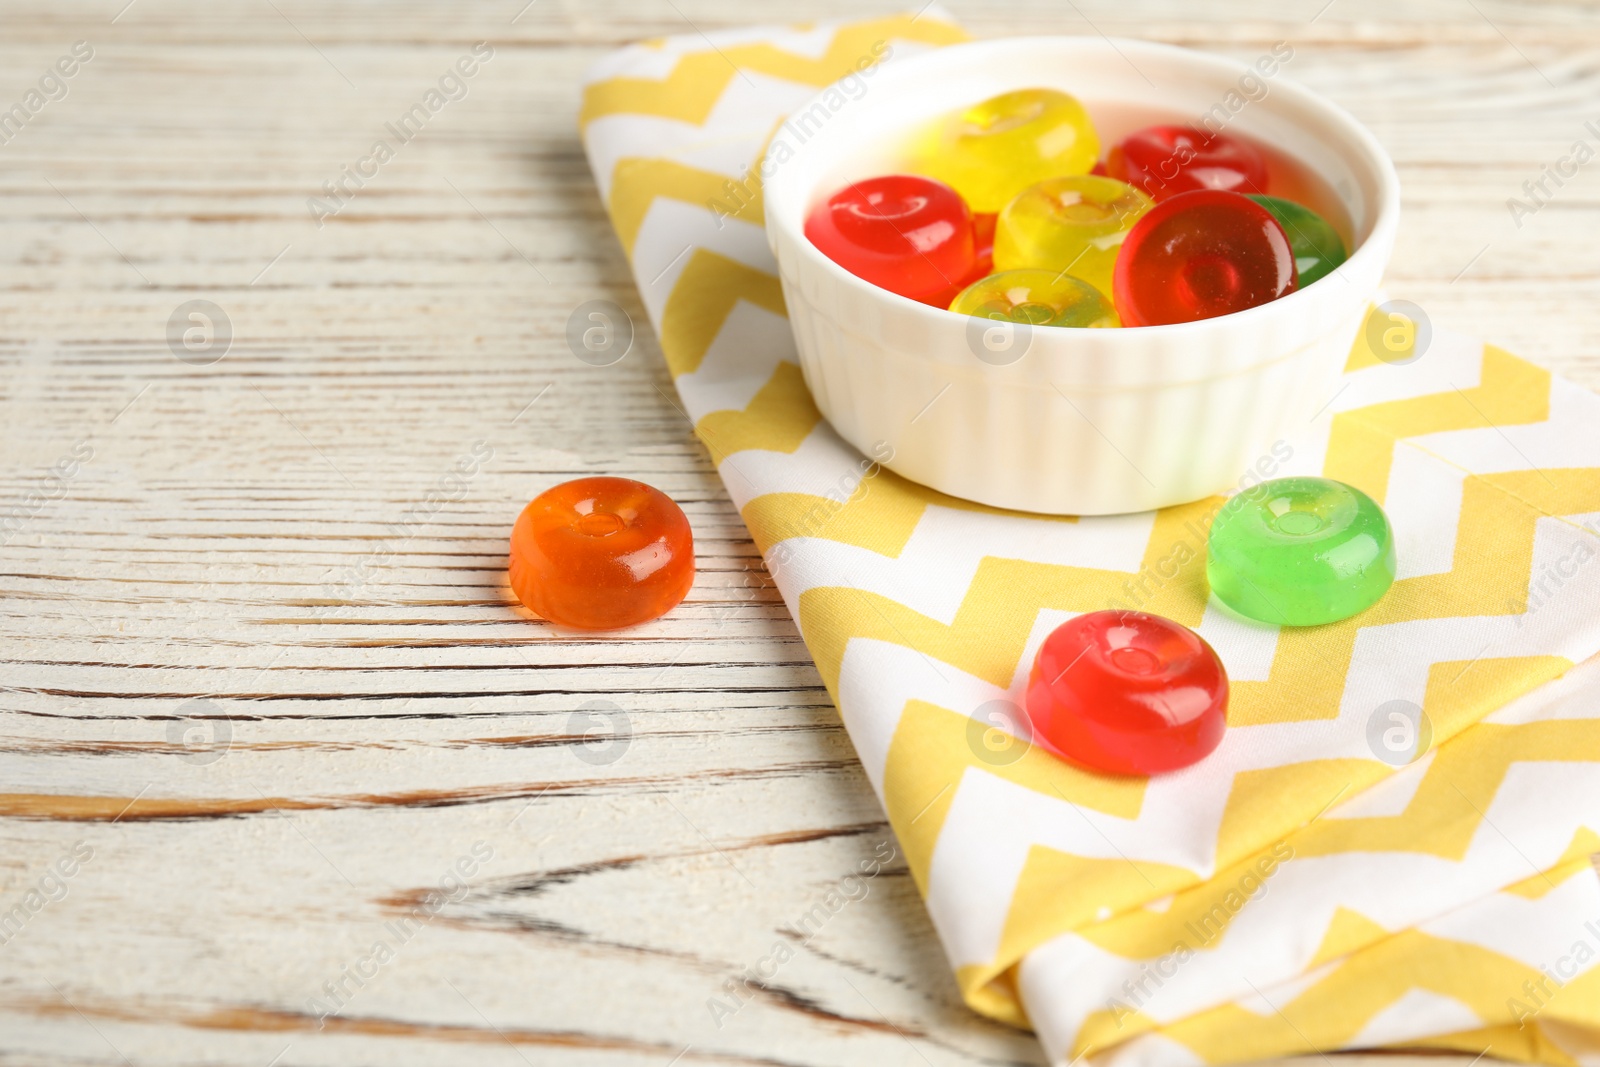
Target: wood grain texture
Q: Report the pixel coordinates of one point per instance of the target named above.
(257, 654)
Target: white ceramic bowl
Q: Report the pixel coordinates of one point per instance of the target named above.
(1083, 422)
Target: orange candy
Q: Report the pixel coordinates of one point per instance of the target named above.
(601, 553)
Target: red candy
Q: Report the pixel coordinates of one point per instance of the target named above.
(1167, 160)
(910, 235)
(1128, 693)
(600, 553)
(983, 244)
(983, 261)
(1199, 255)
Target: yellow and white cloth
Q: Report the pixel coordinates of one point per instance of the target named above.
(1301, 889)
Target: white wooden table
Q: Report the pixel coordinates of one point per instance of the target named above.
(263, 684)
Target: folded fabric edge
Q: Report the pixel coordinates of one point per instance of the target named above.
(1528, 995)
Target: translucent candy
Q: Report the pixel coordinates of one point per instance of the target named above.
(1167, 160)
(1036, 297)
(1075, 224)
(1300, 552)
(1200, 255)
(992, 151)
(1128, 693)
(1316, 245)
(907, 234)
(601, 553)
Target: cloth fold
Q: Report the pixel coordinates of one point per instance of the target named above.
(1390, 848)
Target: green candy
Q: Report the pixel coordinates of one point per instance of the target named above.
(1316, 245)
(1300, 552)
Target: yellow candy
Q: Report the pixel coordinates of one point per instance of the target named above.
(1037, 297)
(992, 151)
(1069, 224)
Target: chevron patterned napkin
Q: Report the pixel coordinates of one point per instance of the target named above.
(1390, 848)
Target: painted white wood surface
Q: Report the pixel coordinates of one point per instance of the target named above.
(377, 733)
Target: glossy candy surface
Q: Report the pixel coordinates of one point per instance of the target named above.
(1075, 224)
(992, 151)
(983, 227)
(1127, 692)
(1300, 552)
(1036, 297)
(982, 264)
(1199, 255)
(600, 553)
(1317, 247)
(907, 234)
(1167, 160)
